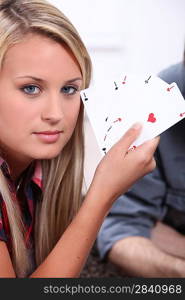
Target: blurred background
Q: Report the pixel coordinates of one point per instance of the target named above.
(137, 36)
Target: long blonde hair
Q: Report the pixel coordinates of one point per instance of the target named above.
(63, 175)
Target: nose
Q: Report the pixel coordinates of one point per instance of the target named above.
(52, 110)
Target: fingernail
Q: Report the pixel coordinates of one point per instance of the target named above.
(137, 125)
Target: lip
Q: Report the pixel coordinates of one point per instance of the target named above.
(48, 136)
(49, 132)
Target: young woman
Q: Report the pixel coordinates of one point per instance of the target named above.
(45, 230)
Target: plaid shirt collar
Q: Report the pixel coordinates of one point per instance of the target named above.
(36, 177)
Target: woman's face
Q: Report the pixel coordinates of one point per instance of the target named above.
(39, 99)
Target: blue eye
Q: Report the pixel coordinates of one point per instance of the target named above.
(31, 89)
(69, 90)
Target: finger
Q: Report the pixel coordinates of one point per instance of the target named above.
(144, 153)
(147, 148)
(130, 136)
(151, 145)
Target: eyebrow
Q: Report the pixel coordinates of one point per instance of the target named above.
(42, 80)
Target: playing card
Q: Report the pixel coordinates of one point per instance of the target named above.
(133, 102)
(145, 99)
(97, 100)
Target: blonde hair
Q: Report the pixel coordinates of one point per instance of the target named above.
(63, 175)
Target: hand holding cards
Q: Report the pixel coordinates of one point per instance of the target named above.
(123, 102)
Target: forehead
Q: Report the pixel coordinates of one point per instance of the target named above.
(40, 54)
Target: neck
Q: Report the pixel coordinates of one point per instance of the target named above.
(16, 166)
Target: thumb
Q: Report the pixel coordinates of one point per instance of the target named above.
(130, 136)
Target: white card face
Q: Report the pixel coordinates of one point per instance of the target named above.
(134, 103)
(97, 100)
(145, 99)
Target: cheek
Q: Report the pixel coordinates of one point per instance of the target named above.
(73, 114)
(8, 117)
(11, 109)
(15, 120)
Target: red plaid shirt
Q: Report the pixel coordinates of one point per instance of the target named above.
(32, 187)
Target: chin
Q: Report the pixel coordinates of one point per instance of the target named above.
(48, 155)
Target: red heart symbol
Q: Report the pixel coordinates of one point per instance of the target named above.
(151, 118)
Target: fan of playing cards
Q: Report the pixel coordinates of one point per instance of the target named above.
(114, 107)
